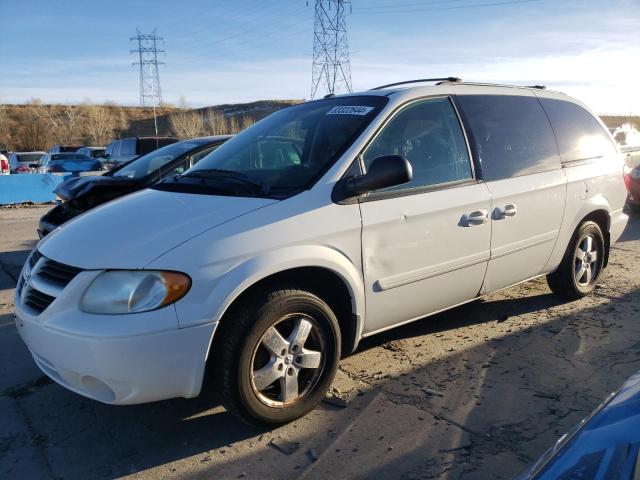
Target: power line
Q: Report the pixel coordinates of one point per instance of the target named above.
(458, 7)
(414, 4)
(150, 92)
(331, 66)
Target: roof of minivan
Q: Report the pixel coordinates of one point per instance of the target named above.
(410, 91)
(458, 87)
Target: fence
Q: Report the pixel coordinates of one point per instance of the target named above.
(34, 187)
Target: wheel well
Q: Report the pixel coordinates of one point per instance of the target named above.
(326, 284)
(601, 217)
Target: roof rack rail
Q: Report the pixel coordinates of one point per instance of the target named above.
(539, 87)
(420, 80)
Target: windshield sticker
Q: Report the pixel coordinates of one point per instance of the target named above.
(350, 110)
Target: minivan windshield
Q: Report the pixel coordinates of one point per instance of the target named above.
(284, 153)
(152, 162)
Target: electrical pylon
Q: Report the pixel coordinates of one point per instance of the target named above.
(150, 92)
(331, 71)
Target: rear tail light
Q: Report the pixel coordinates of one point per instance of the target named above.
(626, 173)
(4, 166)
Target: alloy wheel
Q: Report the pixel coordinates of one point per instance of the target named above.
(587, 264)
(288, 360)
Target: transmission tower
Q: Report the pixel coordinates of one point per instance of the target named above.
(331, 71)
(150, 92)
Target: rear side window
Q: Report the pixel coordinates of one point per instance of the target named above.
(580, 136)
(429, 135)
(512, 135)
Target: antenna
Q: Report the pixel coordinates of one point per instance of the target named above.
(150, 92)
(331, 69)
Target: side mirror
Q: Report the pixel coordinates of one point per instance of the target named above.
(385, 171)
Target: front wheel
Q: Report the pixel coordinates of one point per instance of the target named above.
(278, 355)
(582, 263)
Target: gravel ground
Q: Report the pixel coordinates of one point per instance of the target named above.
(474, 393)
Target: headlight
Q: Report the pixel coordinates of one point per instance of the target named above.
(133, 291)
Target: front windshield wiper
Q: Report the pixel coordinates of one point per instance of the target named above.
(208, 173)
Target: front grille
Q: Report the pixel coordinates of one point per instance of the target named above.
(58, 272)
(42, 280)
(37, 300)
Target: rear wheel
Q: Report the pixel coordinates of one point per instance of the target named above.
(581, 265)
(277, 356)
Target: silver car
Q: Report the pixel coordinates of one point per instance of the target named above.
(324, 223)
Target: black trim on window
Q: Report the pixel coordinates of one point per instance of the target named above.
(338, 196)
(471, 140)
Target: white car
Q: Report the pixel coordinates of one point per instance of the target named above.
(324, 223)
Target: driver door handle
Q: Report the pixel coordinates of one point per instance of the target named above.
(509, 210)
(477, 218)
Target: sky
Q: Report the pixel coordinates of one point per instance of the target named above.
(228, 51)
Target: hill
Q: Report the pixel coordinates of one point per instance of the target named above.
(37, 126)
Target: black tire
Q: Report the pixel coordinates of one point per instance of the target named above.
(240, 351)
(564, 281)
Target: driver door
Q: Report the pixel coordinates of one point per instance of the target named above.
(425, 244)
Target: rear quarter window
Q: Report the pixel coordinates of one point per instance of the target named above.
(580, 136)
(511, 134)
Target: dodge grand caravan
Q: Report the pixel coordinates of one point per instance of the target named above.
(324, 223)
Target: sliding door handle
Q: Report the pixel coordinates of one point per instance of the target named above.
(476, 218)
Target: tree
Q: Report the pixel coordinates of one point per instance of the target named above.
(99, 124)
(215, 123)
(187, 124)
(32, 132)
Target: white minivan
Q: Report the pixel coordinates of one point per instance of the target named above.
(324, 223)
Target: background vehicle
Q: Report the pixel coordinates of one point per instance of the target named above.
(80, 194)
(324, 223)
(24, 162)
(93, 152)
(57, 148)
(4, 165)
(603, 445)
(68, 162)
(127, 149)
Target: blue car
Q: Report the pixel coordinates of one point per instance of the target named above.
(68, 162)
(603, 446)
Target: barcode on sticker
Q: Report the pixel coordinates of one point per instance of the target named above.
(350, 110)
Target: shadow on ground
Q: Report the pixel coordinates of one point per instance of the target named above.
(506, 398)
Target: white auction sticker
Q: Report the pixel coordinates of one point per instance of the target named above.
(350, 110)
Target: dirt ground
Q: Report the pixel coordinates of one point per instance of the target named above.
(474, 393)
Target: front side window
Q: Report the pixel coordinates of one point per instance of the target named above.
(428, 134)
(284, 153)
(196, 157)
(512, 135)
(580, 136)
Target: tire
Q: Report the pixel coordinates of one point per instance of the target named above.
(578, 273)
(255, 371)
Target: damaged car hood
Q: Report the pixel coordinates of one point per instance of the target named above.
(133, 231)
(75, 187)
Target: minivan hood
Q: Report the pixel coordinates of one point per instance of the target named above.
(132, 231)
